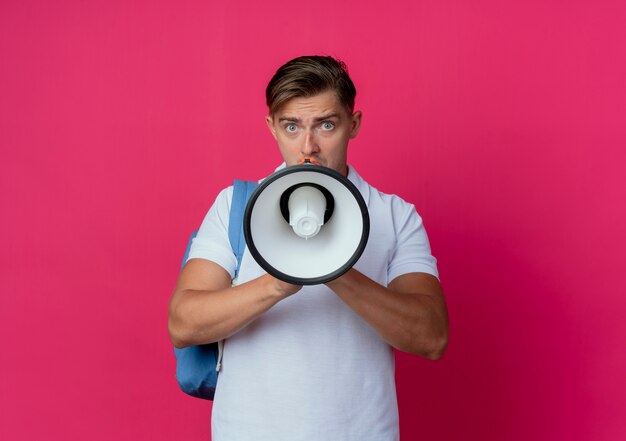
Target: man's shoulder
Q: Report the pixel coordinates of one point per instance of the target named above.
(392, 201)
(390, 206)
(387, 198)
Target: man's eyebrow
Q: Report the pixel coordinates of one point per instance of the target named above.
(327, 116)
(295, 119)
(289, 119)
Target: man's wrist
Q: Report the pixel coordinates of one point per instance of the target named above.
(342, 281)
(279, 289)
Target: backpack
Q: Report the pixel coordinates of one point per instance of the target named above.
(197, 367)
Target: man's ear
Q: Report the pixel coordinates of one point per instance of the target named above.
(270, 125)
(355, 123)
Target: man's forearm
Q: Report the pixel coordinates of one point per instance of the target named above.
(410, 314)
(205, 316)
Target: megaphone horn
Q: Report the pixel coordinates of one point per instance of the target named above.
(306, 224)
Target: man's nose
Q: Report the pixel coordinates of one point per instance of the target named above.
(309, 145)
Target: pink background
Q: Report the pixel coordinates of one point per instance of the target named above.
(503, 122)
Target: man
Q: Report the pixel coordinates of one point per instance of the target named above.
(314, 362)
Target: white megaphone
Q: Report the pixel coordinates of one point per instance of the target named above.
(306, 224)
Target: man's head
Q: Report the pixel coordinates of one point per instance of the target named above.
(311, 111)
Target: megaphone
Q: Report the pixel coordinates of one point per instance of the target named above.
(306, 224)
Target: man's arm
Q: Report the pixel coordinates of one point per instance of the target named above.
(411, 314)
(205, 308)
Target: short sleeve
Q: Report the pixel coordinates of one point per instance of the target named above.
(211, 242)
(412, 249)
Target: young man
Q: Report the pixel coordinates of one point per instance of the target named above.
(314, 362)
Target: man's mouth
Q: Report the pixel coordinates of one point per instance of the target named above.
(309, 160)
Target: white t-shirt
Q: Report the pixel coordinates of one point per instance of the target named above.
(310, 368)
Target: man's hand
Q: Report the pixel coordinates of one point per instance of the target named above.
(410, 314)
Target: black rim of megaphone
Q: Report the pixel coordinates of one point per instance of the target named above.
(310, 280)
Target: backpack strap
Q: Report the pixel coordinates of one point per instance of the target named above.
(242, 190)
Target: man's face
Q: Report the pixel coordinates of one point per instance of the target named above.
(317, 127)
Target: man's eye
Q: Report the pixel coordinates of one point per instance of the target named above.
(328, 125)
(291, 128)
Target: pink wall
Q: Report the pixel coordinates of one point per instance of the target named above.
(504, 122)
